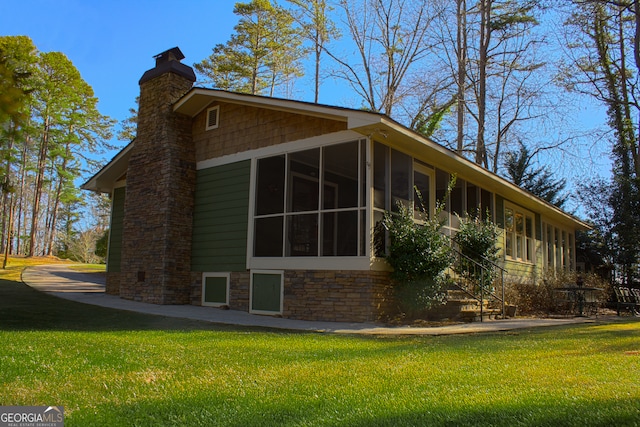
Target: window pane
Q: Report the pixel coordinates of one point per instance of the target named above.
(486, 203)
(550, 251)
(473, 203)
(508, 247)
(421, 204)
(341, 171)
(457, 202)
(302, 235)
(529, 227)
(380, 156)
(268, 237)
(363, 235)
(340, 233)
(401, 166)
(303, 180)
(379, 235)
(508, 219)
(519, 223)
(270, 186)
(442, 183)
(363, 172)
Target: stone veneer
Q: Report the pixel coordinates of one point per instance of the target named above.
(340, 296)
(156, 248)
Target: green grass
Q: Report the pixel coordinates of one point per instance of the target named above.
(118, 368)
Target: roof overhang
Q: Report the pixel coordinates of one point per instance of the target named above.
(444, 158)
(198, 99)
(373, 125)
(105, 180)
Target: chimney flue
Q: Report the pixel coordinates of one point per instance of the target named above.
(169, 62)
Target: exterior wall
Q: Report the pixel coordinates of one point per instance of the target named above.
(243, 128)
(156, 251)
(220, 218)
(115, 230)
(343, 296)
(340, 296)
(115, 242)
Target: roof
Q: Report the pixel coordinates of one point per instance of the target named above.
(368, 124)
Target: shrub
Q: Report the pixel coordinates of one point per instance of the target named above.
(476, 240)
(419, 255)
(540, 298)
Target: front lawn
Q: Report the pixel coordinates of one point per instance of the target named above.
(117, 368)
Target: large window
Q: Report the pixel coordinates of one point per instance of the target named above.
(559, 248)
(518, 227)
(398, 179)
(310, 203)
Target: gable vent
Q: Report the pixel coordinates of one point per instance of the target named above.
(213, 115)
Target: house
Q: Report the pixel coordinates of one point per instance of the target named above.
(268, 205)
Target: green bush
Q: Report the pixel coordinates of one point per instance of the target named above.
(419, 255)
(476, 240)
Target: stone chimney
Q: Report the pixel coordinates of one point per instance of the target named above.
(160, 182)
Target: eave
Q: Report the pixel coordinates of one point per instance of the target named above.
(105, 180)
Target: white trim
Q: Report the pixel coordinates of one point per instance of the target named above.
(274, 273)
(227, 276)
(311, 263)
(289, 147)
(209, 126)
(527, 213)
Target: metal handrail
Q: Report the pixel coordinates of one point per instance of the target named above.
(483, 270)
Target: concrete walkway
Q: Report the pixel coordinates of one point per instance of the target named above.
(61, 281)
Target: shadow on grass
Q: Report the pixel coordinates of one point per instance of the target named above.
(23, 308)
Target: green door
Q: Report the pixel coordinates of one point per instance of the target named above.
(266, 292)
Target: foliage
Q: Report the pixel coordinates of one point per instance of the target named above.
(539, 299)
(605, 66)
(419, 254)
(264, 52)
(126, 368)
(318, 28)
(477, 241)
(540, 181)
(45, 147)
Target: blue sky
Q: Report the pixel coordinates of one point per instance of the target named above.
(112, 42)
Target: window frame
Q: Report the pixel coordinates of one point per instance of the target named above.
(227, 277)
(523, 243)
(360, 261)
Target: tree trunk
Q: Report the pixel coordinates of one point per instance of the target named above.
(485, 37)
(462, 70)
(42, 159)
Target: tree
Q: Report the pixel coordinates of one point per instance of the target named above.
(313, 17)
(391, 39)
(263, 54)
(539, 181)
(46, 149)
(605, 65)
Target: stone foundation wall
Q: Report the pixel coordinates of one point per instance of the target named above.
(113, 283)
(340, 296)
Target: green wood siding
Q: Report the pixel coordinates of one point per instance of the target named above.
(115, 231)
(220, 218)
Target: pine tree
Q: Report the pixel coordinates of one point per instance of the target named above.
(263, 54)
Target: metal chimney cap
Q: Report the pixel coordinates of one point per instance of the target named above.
(173, 54)
(169, 62)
